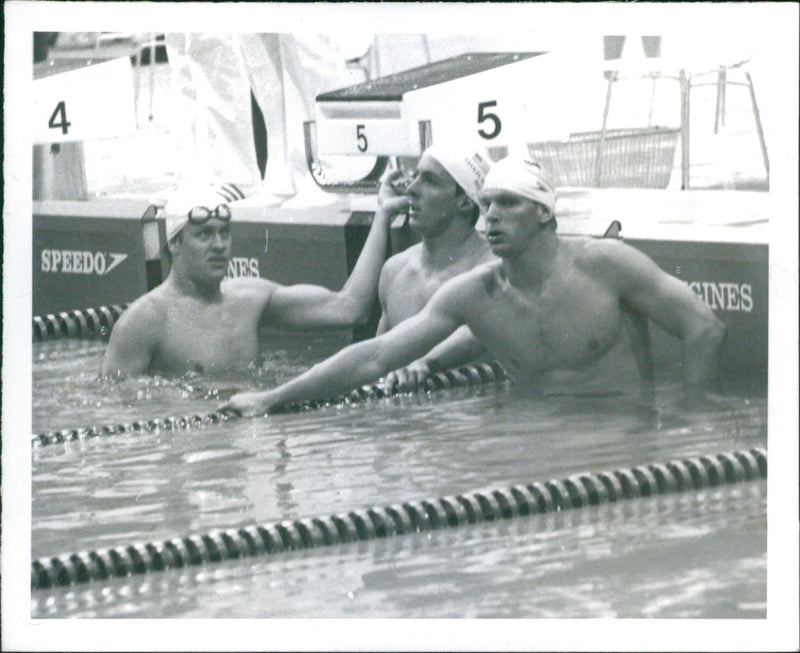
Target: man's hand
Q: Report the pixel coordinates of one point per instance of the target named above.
(390, 201)
(407, 379)
(248, 404)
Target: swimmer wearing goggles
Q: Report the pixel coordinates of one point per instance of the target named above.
(202, 214)
(187, 210)
(202, 318)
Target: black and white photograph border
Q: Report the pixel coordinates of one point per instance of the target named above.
(769, 29)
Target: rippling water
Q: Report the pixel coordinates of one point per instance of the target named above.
(702, 554)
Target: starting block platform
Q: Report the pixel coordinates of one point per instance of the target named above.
(479, 95)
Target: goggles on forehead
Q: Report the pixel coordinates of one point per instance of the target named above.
(202, 214)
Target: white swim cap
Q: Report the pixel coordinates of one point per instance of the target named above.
(468, 167)
(185, 198)
(524, 177)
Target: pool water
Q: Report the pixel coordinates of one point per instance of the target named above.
(699, 554)
(67, 391)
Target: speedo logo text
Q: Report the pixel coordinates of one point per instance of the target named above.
(68, 261)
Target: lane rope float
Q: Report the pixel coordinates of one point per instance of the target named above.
(475, 375)
(576, 491)
(93, 323)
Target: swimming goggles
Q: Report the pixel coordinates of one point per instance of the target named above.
(202, 214)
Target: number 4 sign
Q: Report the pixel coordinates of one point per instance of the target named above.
(59, 118)
(91, 102)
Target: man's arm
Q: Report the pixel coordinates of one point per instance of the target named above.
(132, 343)
(672, 305)
(306, 306)
(362, 362)
(460, 348)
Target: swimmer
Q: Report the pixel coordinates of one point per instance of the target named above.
(443, 209)
(199, 321)
(549, 304)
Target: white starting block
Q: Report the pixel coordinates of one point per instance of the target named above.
(94, 101)
(489, 98)
(482, 96)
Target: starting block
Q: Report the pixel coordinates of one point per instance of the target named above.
(482, 95)
(486, 97)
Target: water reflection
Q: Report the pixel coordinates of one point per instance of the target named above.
(695, 555)
(153, 486)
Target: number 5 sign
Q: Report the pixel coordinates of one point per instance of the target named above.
(497, 106)
(92, 102)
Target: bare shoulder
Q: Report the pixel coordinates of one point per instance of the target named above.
(150, 307)
(617, 263)
(398, 262)
(481, 279)
(144, 317)
(488, 275)
(466, 293)
(249, 288)
(597, 254)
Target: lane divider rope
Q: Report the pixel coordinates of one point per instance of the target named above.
(576, 491)
(82, 323)
(478, 374)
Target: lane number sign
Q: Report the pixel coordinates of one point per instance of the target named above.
(361, 138)
(59, 118)
(488, 119)
(94, 101)
(490, 125)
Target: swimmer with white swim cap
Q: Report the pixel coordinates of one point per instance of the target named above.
(526, 178)
(549, 308)
(199, 321)
(197, 204)
(443, 210)
(466, 165)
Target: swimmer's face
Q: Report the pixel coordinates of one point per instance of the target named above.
(511, 221)
(205, 249)
(432, 198)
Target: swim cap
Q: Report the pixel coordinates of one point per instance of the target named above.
(524, 177)
(184, 199)
(467, 167)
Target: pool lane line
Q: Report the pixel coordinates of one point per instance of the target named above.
(87, 323)
(576, 491)
(474, 375)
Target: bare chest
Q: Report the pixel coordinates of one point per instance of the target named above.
(208, 338)
(413, 286)
(568, 325)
